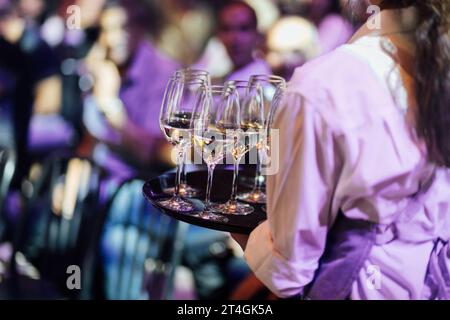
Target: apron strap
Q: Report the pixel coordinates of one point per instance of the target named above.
(348, 246)
(437, 280)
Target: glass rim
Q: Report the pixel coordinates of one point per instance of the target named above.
(280, 81)
(266, 76)
(239, 84)
(188, 81)
(218, 88)
(192, 74)
(191, 70)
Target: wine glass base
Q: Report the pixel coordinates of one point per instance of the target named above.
(254, 196)
(233, 208)
(211, 216)
(249, 182)
(185, 191)
(177, 204)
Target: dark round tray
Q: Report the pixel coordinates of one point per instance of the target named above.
(221, 189)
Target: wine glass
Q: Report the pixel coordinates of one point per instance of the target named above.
(243, 121)
(189, 74)
(272, 89)
(269, 122)
(210, 137)
(177, 112)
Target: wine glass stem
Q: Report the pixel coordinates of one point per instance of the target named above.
(235, 180)
(180, 158)
(183, 173)
(258, 172)
(209, 186)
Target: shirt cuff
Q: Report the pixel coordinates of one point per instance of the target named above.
(284, 278)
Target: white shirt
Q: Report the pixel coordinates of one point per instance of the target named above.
(346, 142)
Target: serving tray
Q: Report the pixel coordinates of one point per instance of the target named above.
(153, 191)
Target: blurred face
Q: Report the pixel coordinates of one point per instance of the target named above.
(118, 36)
(31, 8)
(238, 34)
(11, 24)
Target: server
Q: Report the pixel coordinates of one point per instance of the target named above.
(360, 207)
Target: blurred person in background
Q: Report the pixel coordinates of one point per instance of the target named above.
(16, 84)
(186, 24)
(122, 114)
(72, 44)
(37, 71)
(334, 29)
(237, 29)
(32, 11)
(291, 42)
(129, 74)
(48, 130)
(29, 84)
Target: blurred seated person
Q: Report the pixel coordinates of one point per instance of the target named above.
(48, 130)
(33, 11)
(72, 46)
(129, 74)
(185, 25)
(33, 66)
(237, 29)
(291, 42)
(28, 84)
(121, 116)
(16, 98)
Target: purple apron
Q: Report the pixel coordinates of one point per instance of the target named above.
(348, 246)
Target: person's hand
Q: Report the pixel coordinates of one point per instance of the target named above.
(241, 239)
(106, 91)
(106, 88)
(107, 80)
(106, 75)
(115, 113)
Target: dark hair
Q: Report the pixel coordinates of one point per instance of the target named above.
(5, 8)
(251, 11)
(335, 7)
(432, 75)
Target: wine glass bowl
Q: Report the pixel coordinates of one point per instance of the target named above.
(176, 122)
(244, 120)
(210, 137)
(272, 88)
(203, 76)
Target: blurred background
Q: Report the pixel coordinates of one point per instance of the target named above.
(81, 84)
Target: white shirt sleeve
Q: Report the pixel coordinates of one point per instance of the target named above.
(284, 251)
